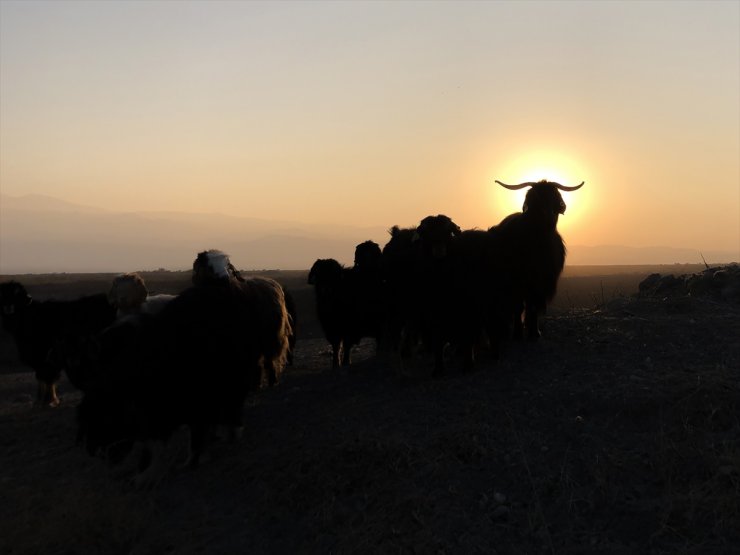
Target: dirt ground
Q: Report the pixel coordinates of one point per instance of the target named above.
(618, 432)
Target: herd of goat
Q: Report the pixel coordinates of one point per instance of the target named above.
(149, 364)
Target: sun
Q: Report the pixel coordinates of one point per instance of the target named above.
(536, 166)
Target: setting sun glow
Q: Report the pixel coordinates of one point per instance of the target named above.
(535, 166)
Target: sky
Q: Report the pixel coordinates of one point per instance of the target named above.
(380, 113)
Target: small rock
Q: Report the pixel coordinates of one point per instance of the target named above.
(499, 498)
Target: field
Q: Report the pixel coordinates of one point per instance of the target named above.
(618, 432)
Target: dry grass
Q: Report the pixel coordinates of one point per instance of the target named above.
(619, 432)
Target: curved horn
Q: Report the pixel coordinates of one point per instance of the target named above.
(516, 187)
(564, 188)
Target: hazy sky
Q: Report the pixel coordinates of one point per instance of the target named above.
(380, 113)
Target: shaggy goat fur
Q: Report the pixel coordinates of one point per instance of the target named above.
(275, 331)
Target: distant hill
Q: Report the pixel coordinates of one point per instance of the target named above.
(41, 234)
(44, 234)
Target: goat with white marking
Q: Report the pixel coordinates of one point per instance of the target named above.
(129, 295)
(192, 364)
(275, 333)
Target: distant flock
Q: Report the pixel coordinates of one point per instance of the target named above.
(149, 364)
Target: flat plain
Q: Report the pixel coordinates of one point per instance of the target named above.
(617, 432)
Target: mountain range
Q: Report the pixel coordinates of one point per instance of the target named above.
(41, 234)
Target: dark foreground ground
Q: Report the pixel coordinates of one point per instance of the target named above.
(619, 432)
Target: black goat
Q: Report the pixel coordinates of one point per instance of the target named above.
(349, 305)
(367, 257)
(476, 302)
(38, 327)
(365, 295)
(327, 277)
(192, 364)
(397, 272)
(418, 273)
(433, 297)
(532, 252)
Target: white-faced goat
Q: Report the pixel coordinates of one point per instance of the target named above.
(192, 364)
(532, 252)
(214, 267)
(266, 297)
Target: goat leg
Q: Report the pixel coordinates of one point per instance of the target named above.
(530, 322)
(336, 349)
(46, 395)
(270, 371)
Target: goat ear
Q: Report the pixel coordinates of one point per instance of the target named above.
(234, 272)
(525, 206)
(415, 237)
